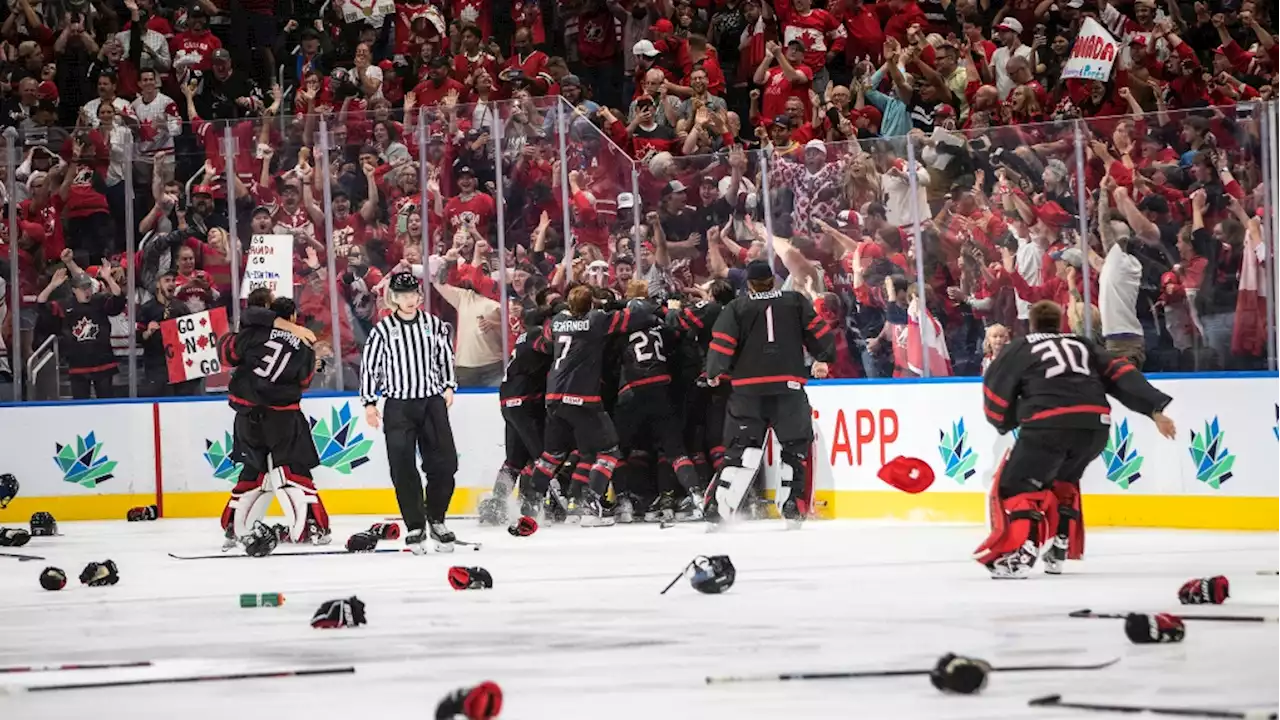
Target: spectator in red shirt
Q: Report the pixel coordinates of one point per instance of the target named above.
(438, 84)
(792, 78)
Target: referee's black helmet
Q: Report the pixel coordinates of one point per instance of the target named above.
(403, 282)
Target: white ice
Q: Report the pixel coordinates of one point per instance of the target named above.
(575, 626)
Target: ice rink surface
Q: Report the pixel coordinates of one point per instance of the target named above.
(575, 626)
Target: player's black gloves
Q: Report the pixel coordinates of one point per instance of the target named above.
(99, 574)
(481, 702)
(469, 578)
(348, 612)
(14, 537)
(1158, 628)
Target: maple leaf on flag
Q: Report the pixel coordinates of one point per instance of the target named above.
(190, 362)
(204, 321)
(202, 341)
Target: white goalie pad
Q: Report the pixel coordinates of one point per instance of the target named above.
(733, 482)
(785, 475)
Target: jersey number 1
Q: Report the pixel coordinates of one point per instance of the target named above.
(273, 364)
(1063, 353)
(768, 322)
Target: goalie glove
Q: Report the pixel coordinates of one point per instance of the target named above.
(364, 541)
(470, 578)
(1205, 591)
(481, 702)
(348, 612)
(99, 574)
(1158, 628)
(14, 537)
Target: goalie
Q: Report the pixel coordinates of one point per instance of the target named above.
(273, 363)
(1054, 386)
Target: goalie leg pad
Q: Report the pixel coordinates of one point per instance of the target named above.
(1021, 518)
(735, 478)
(299, 490)
(1064, 517)
(237, 515)
(792, 476)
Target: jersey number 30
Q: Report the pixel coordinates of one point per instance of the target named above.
(1061, 354)
(275, 363)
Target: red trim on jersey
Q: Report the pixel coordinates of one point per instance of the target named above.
(1069, 410)
(725, 337)
(721, 349)
(682, 462)
(825, 329)
(507, 402)
(769, 379)
(94, 369)
(993, 414)
(689, 313)
(246, 403)
(645, 381)
(1125, 368)
(584, 398)
(993, 397)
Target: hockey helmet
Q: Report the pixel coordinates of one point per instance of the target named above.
(8, 489)
(908, 474)
(403, 282)
(43, 524)
(712, 575)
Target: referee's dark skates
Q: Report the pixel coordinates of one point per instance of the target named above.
(409, 357)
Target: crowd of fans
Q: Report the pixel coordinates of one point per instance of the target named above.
(918, 168)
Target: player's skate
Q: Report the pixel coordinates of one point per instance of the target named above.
(1014, 565)
(315, 534)
(662, 509)
(416, 541)
(624, 510)
(1056, 556)
(442, 537)
(592, 511)
(229, 539)
(557, 504)
(791, 514)
(690, 507)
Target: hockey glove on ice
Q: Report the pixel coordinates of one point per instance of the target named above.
(469, 578)
(481, 702)
(348, 612)
(524, 527)
(1159, 628)
(386, 531)
(1205, 591)
(958, 674)
(99, 574)
(364, 541)
(14, 537)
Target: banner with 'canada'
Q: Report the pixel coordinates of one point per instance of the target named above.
(269, 264)
(191, 344)
(1093, 54)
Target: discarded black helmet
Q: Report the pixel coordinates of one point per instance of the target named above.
(8, 489)
(43, 524)
(712, 575)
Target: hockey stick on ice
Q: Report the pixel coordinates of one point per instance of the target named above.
(20, 557)
(895, 673)
(1216, 618)
(195, 678)
(74, 666)
(1056, 701)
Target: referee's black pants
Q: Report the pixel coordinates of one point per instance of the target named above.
(422, 425)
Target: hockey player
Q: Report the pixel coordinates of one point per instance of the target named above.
(703, 406)
(576, 338)
(645, 408)
(1053, 386)
(761, 337)
(524, 385)
(272, 363)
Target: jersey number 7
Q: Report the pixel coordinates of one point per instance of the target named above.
(567, 342)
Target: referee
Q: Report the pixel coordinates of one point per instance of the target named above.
(409, 357)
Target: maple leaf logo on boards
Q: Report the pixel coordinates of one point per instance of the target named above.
(958, 458)
(84, 463)
(339, 446)
(1212, 458)
(84, 330)
(1122, 461)
(218, 455)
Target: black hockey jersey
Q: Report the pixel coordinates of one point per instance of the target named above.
(648, 353)
(85, 330)
(760, 338)
(271, 368)
(525, 379)
(1062, 380)
(693, 324)
(577, 347)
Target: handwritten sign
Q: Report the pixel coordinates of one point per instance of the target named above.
(1093, 54)
(269, 264)
(191, 344)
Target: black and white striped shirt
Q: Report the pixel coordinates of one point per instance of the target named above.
(407, 359)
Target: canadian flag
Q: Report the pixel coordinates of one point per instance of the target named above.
(191, 344)
(931, 349)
